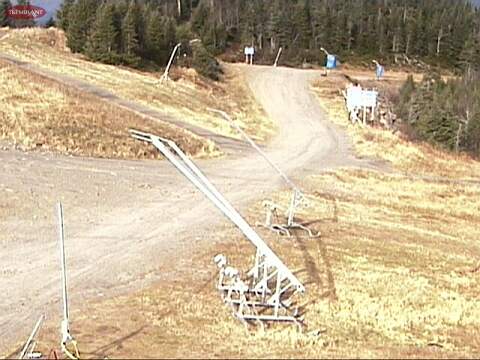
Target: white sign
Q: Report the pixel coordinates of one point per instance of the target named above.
(249, 50)
(359, 98)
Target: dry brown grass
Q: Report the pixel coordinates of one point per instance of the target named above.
(187, 98)
(391, 276)
(38, 113)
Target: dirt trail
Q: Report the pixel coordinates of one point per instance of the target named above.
(124, 217)
(229, 145)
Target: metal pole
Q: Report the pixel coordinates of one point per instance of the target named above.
(31, 337)
(63, 262)
(256, 147)
(278, 57)
(170, 61)
(196, 171)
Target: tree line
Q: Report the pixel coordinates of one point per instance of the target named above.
(445, 113)
(135, 33)
(438, 32)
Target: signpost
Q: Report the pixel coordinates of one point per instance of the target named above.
(360, 99)
(331, 61)
(249, 52)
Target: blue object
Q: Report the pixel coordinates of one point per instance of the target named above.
(331, 62)
(380, 71)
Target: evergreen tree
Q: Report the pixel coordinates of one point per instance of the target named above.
(50, 23)
(4, 6)
(63, 14)
(469, 58)
(80, 19)
(102, 44)
(154, 39)
(205, 63)
(130, 43)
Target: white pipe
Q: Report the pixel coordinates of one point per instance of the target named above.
(31, 337)
(256, 147)
(278, 57)
(63, 261)
(170, 61)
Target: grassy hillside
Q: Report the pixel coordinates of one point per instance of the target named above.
(187, 98)
(38, 113)
(411, 158)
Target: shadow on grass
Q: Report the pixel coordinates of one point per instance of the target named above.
(102, 351)
(321, 277)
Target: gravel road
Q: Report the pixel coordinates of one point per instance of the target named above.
(123, 217)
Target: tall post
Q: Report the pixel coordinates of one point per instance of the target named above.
(165, 76)
(179, 6)
(67, 338)
(327, 54)
(61, 234)
(278, 56)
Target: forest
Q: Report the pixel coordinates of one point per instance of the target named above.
(437, 32)
(444, 113)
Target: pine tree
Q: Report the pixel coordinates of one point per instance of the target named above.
(102, 44)
(4, 6)
(199, 19)
(469, 58)
(130, 43)
(50, 23)
(80, 19)
(154, 38)
(63, 14)
(205, 63)
(302, 24)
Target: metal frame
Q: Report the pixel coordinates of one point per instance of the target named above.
(235, 291)
(29, 347)
(271, 213)
(67, 338)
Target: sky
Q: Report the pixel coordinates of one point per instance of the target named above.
(50, 5)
